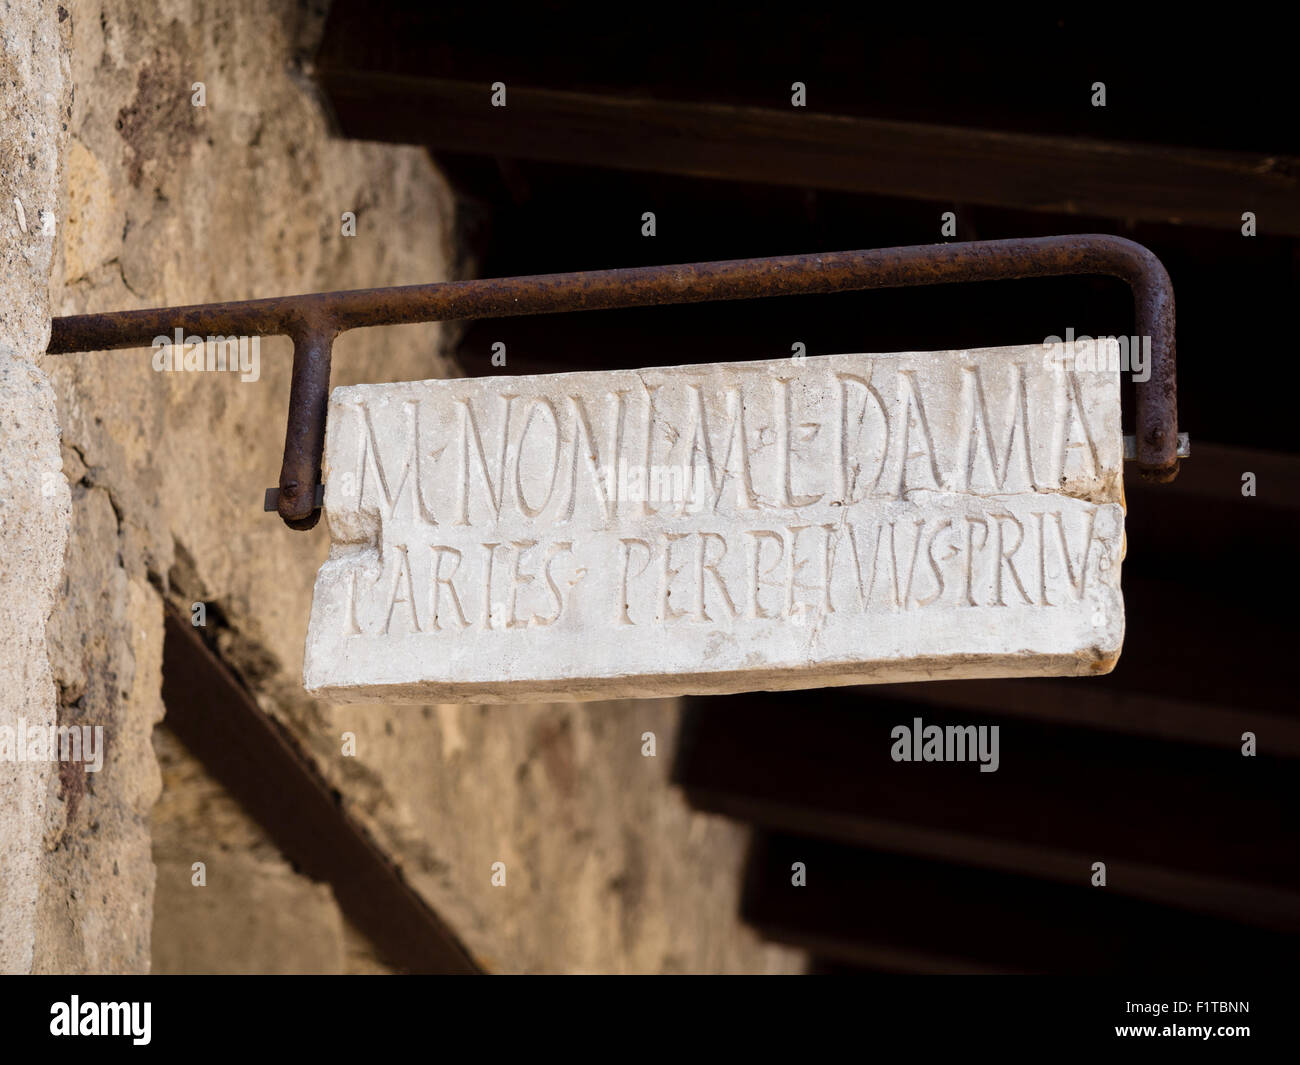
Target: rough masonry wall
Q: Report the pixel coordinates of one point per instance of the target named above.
(169, 203)
(33, 495)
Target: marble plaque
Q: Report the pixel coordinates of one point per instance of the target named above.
(839, 519)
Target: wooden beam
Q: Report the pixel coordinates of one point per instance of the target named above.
(257, 761)
(905, 914)
(1098, 702)
(1178, 824)
(946, 164)
(1214, 474)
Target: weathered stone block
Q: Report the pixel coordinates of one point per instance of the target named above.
(831, 520)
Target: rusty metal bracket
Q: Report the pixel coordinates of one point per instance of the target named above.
(313, 321)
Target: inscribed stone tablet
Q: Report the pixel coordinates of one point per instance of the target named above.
(838, 519)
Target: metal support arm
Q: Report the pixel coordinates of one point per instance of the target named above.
(313, 321)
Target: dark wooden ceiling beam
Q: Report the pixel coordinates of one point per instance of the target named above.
(906, 914)
(1183, 825)
(1110, 179)
(1098, 702)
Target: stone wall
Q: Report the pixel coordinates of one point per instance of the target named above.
(33, 495)
(167, 203)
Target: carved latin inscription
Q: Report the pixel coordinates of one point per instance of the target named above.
(840, 519)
